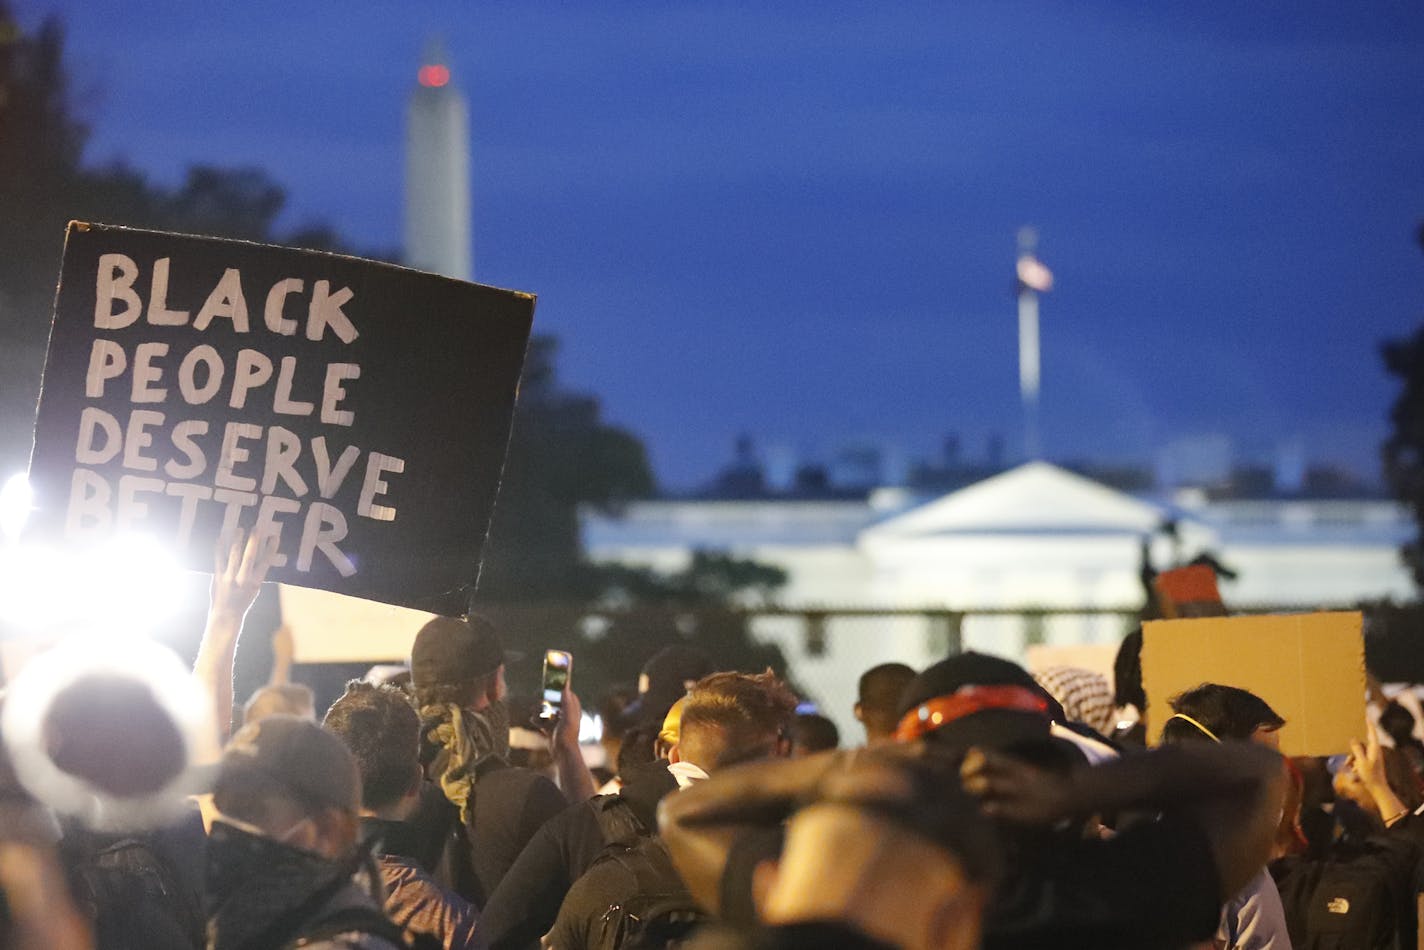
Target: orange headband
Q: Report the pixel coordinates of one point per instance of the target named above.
(933, 713)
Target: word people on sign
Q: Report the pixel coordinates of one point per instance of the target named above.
(199, 376)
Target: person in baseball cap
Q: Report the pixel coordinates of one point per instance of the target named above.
(974, 699)
(494, 807)
(284, 862)
(665, 678)
(1156, 883)
(288, 767)
(457, 676)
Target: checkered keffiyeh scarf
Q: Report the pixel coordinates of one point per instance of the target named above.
(1085, 696)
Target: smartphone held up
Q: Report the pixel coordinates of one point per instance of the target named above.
(557, 666)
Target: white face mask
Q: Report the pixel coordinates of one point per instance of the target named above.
(284, 837)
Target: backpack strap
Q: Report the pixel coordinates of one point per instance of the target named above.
(647, 861)
(361, 920)
(617, 821)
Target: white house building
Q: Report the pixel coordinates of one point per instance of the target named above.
(1036, 537)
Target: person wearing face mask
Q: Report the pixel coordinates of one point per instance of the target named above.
(479, 811)
(1254, 918)
(284, 864)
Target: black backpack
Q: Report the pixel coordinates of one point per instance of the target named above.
(660, 913)
(133, 896)
(1358, 898)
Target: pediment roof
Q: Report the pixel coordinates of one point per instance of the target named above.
(1034, 498)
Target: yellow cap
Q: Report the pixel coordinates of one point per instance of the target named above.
(672, 724)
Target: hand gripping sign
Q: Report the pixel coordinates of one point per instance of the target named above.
(357, 412)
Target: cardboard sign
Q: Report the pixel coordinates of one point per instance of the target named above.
(333, 628)
(357, 411)
(1310, 668)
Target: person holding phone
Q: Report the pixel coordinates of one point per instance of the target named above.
(486, 809)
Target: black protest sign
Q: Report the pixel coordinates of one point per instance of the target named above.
(357, 411)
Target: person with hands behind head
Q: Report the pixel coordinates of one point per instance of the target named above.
(1152, 885)
(1157, 884)
(915, 861)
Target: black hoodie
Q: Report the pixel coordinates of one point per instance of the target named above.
(526, 903)
(263, 894)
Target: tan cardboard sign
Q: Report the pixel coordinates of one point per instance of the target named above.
(1309, 667)
(334, 628)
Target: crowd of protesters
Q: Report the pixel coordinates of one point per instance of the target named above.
(983, 807)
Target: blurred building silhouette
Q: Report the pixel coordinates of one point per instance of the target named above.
(1037, 537)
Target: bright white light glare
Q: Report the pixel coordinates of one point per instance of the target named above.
(590, 728)
(15, 501)
(127, 585)
(137, 578)
(181, 697)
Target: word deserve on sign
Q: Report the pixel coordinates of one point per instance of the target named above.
(357, 412)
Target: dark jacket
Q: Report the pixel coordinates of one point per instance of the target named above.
(524, 906)
(139, 890)
(1360, 892)
(262, 895)
(511, 804)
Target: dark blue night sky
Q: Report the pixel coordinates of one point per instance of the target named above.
(797, 219)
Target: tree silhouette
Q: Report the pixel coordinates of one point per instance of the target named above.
(44, 184)
(1404, 449)
(561, 455)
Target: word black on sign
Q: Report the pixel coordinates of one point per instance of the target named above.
(358, 412)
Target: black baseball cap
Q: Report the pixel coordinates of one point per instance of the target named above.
(452, 651)
(294, 756)
(670, 673)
